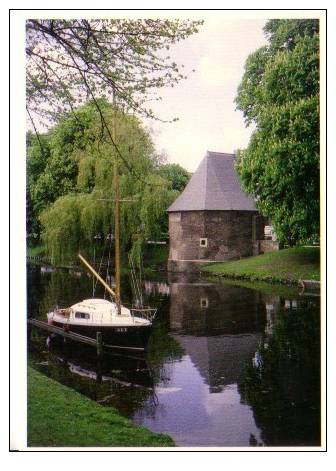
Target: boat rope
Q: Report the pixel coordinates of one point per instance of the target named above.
(93, 278)
(141, 271)
(108, 265)
(135, 282)
(99, 270)
(132, 275)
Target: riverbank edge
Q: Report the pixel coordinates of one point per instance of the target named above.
(61, 417)
(155, 259)
(270, 280)
(247, 268)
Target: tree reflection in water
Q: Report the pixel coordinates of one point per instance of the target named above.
(282, 383)
(231, 365)
(118, 380)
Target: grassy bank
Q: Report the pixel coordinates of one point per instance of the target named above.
(59, 416)
(285, 266)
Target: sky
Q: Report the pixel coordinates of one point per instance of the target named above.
(214, 60)
(204, 103)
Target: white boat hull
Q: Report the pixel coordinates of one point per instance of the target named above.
(98, 315)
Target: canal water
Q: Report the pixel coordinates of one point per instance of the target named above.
(227, 366)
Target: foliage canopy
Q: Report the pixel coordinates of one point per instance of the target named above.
(176, 174)
(69, 61)
(279, 94)
(71, 184)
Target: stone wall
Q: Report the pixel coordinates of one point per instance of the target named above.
(269, 246)
(228, 234)
(186, 266)
(264, 246)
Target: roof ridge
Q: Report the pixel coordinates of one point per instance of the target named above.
(222, 153)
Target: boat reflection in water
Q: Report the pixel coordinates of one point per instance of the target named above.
(102, 379)
(227, 366)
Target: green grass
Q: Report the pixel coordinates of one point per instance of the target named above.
(284, 266)
(59, 416)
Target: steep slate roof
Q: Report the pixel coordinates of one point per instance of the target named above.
(214, 186)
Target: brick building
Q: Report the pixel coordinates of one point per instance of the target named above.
(213, 219)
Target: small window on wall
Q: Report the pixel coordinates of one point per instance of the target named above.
(204, 303)
(203, 242)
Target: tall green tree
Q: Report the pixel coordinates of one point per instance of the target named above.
(53, 161)
(177, 175)
(279, 95)
(77, 164)
(122, 61)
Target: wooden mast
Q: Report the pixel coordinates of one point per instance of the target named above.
(116, 214)
(117, 238)
(99, 278)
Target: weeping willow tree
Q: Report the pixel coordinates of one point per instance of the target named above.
(75, 219)
(126, 61)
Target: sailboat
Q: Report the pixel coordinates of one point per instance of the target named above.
(120, 326)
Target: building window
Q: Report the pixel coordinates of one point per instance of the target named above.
(204, 302)
(203, 242)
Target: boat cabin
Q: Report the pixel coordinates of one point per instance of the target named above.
(95, 311)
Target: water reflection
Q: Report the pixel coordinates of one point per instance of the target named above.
(282, 384)
(226, 366)
(103, 380)
(220, 329)
(209, 309)
(243, 366)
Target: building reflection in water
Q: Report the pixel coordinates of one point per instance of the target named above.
(219, 326)
(228, 365)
